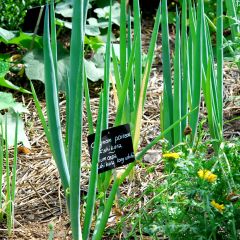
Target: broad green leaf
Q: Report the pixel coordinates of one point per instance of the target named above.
(7, 101)
(11, 124)
(93, 72)
(94, 22)
(92, 30)
(104, 13)
(94, 42)
(6, 35)
(27, 40)
(65, 9)
(4, 68)
(35, 66)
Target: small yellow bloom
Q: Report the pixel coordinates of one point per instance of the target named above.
(219, 207)
(171, 155)
(207, 175)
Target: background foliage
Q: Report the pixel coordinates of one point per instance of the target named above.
(14, 12)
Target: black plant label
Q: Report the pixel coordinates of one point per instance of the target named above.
(116, 148)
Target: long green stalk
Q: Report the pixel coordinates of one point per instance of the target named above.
(138, 54)
(54, 40)
(220, 62)
(1, 167)
(53, 109)
(167, 82)
(104, 178)
(131, 83)
(14, 169)
(232, 12)
(123, 95)
(197, 83)
(145, 80)
(185, 64)
(88, 105)
(8, 181)
(177, 84)
(91, 196)
(123, 40)
(77, 36)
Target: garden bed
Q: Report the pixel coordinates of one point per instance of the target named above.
(40, 199)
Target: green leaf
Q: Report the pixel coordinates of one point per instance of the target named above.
(11, 124)
(92, 30)
(104, 13)
(94, 22)
(94, 42)
(65, 9)
(27, 40)
(93, 72)
(35, 66)
(7, 101)
(4, 68)
(6, 35)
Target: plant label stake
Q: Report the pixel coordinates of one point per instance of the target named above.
(116, 148)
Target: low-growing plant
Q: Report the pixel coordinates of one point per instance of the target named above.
(197, 197)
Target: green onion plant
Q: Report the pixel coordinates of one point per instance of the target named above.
(194, 72)
(7, 175)
(130, 82)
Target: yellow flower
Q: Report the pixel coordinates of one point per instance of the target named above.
(171, 155)
(219, 207)
(207, 175)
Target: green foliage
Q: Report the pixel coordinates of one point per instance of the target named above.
(7, 173)
(67, 154)
(8, 103)
(182, 204)
(13, 12)
(194, 72)
(6, 63)
(34, 66)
